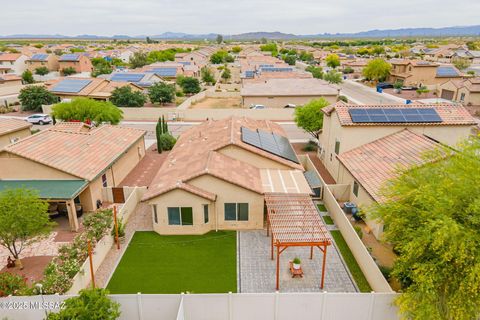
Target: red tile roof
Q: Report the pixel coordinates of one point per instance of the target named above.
(375, 163)
(10, 56)
(82, 154)
(451, 114)
(12, 125)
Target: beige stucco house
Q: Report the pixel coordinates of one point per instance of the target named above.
(466, 91)
(217, 175)
(365, 155)
(421, 73)
(76, 61)
(12, 63)
(70, 165)
(12, 130)
(50, 61)
(277, 93)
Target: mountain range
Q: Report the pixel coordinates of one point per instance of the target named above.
(404, 32)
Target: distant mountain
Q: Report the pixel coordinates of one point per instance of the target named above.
(405, 32)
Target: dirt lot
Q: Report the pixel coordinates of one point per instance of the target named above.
(410, 94)
(217, 103)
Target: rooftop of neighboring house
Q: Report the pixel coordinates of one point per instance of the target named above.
(449, 114)
(448, 71)
(82, 154)
(197, 153)
(472, 84)
(374, 163)
(41, 57)
(84, 87)
(416, 63)
(70, 57)
(9, 77)
(10, 56)
(289, 87)
(12, 125)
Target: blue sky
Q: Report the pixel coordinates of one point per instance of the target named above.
(136, 17)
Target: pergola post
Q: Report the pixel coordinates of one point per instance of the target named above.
(72, 215)
(271, 241)
(311, 252)
(278, 268)
(323, 265)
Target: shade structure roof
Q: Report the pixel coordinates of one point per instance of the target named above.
(294, 220)
(48, 189)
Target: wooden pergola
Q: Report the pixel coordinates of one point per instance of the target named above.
(294, 221)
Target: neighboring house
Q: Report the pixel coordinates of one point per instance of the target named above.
(277, 93)
(79, 62)
(217, 175)
(43, 60)
(360, 145)
(141, 79)
(94, 88)
(70, 166)
(417, 73)
(8, 80)
(12, 130)
(165, 70)
(13, 63)
(466, 91)
(473, 56)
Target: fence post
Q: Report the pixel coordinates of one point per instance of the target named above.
(275, 312)
(139, 305)
(230, 311)
(324, 303)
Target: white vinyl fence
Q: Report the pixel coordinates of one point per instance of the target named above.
(241, 306)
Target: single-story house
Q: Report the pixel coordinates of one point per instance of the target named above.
(8, 80)
(12, 130)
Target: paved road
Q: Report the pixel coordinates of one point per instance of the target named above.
(361, 94)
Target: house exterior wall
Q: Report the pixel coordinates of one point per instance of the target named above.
(251, 158)
(418, 75)
(51, 63)
(84, 65)
(18, 66)
(11, 83)
(10, 137)
(127, 162)
(282, 101)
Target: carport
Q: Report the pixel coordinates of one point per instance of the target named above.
(53, 191)
(293, 221)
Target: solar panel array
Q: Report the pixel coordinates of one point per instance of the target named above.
(39, 57)
(127, 77)
(266, 66)
(269, 142)
(70, 57)
(394, 115)
(71, 85)
(272, 69)
(185, 63)
(447, 71)
(249, 74)
(164, 72)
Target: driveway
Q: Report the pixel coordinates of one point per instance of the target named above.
(361, 94)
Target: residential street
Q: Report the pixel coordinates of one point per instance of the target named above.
(360, 94)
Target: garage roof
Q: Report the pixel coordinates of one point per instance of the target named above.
(48, 189)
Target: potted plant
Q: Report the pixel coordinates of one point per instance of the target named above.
(296, 263)
(121, 231)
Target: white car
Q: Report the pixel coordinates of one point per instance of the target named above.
(39, 118)
(290, 105)
(257, 106)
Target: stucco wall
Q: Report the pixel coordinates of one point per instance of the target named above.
(127, 162)
(12, 136)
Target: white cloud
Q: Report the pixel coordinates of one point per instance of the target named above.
(108, 17)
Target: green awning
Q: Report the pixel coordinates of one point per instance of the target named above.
(48, 189)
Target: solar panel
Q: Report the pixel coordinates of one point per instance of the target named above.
(39, 57)
(394, 115)
(164, 72)
(249, 74)
(127, 77)
(272, 69)
(71, 85)
(446, 71)
(269, 142)
(70, 57)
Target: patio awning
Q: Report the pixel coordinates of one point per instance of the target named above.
(48, 189)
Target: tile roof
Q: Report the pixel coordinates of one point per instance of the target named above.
(72, 126)
(82, 154)
(375, 163)
(97, 88)
(196, 153)
(10, 56)
(451, 114)
(9, 77)
(12, 125)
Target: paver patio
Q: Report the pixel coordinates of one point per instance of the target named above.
(257, 270)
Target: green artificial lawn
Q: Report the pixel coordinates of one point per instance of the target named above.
(352, 264)
(322, 208)
(328, 220)
(175, 264)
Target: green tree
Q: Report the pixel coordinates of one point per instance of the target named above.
(84, 109)
(161, 93)
(221, 56)
(333, 76)
(207, 76)
(332, 60)
(236, 49)
(461, 63)
(27, 77)
(272, 47)
(24, 219)
(432, 218)
(310, 117)
(68, 71)
(219, 38)
(190, 85)
(306, 56)
(92, 304)
(290, 59)
(226, 74)
(138, 59)
(41, 71)
(125, 97)
(317, 72)
(377, 70)
(33, 97)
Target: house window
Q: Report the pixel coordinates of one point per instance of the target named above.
(337, 147)
(180, 216)
(236, 211)
(355, 188)
(155, 216)
(104, 180)
(205, 213)
(462, 97)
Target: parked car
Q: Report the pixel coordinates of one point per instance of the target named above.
(257, 106)
(290, 105)
(39, 118)
(409, 88)
(384, 85)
